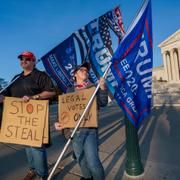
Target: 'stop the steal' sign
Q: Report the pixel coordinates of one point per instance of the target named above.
(72, 105)
(24, 123)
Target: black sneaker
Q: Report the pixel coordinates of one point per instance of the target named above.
(82, 178)
(73, 156)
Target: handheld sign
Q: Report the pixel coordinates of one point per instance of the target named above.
(72, 105)
(24, 123)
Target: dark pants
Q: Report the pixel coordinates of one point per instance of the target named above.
(85, 145)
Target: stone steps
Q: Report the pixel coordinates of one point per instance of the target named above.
(167, 94)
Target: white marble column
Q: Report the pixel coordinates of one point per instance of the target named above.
(176, 64)
(169, 67)
(165, 66)
(173, 67)
(178, 50)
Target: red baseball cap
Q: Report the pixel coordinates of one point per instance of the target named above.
(27, 54)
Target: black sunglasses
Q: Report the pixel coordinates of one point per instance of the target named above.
(25, 59)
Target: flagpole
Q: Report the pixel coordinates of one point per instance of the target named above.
(133, 164)
(77, 125)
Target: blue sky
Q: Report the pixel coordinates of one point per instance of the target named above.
(41, 25)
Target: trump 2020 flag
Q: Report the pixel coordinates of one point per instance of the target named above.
(60, 62)
(95, 43)
(132, 68)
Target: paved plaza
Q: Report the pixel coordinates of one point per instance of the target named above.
(159, 137)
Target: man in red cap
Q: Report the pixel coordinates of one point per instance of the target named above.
(32, 84)
(27, 54)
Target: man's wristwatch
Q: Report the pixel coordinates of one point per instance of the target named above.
(36, 97)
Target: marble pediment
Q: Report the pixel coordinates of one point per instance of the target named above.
(171, 39)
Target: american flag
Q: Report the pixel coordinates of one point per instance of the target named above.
(104, 31)
(115, 22)
(112, 19)
(85, 40)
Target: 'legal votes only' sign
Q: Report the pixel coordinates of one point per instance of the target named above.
(72, 105)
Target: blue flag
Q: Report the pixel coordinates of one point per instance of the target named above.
(94, 40)
(132, 67)
(60, 62)
(91, 43)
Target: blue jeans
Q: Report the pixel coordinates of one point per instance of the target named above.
(37, 160)
(85, 145)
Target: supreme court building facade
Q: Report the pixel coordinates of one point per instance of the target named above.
(170, 70)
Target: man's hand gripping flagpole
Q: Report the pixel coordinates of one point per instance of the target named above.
(77, 125)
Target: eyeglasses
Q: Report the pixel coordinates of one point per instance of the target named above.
(25, 59)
